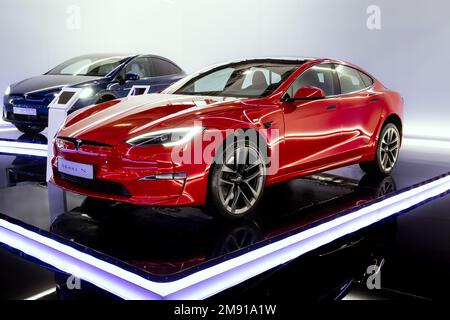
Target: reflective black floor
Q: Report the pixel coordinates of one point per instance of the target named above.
(9, 133)
(411, 249)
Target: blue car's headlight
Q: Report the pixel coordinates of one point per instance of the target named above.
(8, 91)
(86, 93)
(167, 138)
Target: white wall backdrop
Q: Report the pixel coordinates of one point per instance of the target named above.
(410, 53)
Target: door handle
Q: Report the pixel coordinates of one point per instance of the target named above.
(331, 107)
(374, 100)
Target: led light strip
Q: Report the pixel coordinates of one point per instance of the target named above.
(73, 262)
(232, 272)
(42, 294)
(427, 143)
(32, 149)
(219, 277)
(7, 129)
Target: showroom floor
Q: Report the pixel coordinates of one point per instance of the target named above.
(171, 251)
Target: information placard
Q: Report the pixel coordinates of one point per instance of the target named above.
(57, 113)
(138, 90)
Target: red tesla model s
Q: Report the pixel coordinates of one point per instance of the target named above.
(221, 136)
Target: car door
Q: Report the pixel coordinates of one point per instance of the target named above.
(360, 112)
(312, 128)
(139, 66)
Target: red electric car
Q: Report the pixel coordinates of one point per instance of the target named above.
(220, 136)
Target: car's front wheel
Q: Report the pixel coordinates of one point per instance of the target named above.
(237, 181)
(388, 150)
(30, 128)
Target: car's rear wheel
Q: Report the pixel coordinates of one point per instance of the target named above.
(30, 128)
(388, 150)
(237, 182)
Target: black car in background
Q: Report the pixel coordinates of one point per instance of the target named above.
(103, 77)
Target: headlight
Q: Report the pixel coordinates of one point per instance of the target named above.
(8, 91)
(86, 93)
(59, 143)
(167, 138)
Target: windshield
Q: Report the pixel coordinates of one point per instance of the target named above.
(245, 79)
(88, 66)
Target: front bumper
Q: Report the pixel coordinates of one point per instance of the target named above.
(41, 107)
(140, 176)
(40, 104)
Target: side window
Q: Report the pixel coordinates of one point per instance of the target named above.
(164, 68)
(139, 66)
(320, 76)
(350, 79)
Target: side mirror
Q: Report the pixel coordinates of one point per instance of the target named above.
(308, 93)
(131, 76)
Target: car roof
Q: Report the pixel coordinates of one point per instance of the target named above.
(290, 60)
(122, 56)
(268, 59)
(293, 60)
(107, 55)
(281, 59)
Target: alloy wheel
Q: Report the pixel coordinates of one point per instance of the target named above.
(389, 149)
(241, 180)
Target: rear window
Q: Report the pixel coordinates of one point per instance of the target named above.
(350, 79)
(164, 68)
(368, 81)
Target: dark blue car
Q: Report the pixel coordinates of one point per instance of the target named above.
(103, 77)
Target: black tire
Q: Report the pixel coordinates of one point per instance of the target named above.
(243, 190)
(385, 160)
(30, 128)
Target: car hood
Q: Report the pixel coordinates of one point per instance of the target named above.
(136, 115)
(48, 82)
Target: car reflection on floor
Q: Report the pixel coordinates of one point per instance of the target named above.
(172, 242)
(327, 273)
(27, 168)
(32, 138)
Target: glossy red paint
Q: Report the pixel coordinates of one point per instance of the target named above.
(315, 135)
